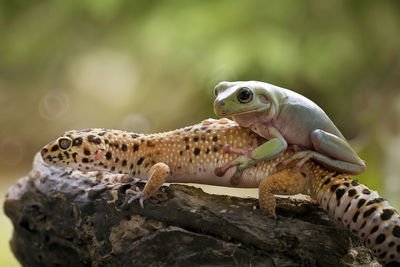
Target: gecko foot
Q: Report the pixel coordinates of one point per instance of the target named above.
(312, 201)
(136, 195)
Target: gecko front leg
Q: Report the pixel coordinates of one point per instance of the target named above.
(157, 175)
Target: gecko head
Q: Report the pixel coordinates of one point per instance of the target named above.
(245, 97)
(77, 149)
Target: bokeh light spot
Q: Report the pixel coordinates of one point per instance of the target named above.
(53, 105)
(106, 76)
(11, 151)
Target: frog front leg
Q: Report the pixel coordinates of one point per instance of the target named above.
(268, 150)
(331, 151)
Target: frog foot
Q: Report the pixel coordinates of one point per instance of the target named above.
(295, 148)
(243, 153)
(241, 162)
(301, 157)
(235, 179)
(220, 171)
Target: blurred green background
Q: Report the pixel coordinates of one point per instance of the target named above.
(151, 66)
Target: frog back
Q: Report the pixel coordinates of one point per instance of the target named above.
(298, 116)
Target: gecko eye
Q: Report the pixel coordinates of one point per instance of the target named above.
(244, 95)
(64, 143)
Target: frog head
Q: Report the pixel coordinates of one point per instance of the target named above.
(243, 98)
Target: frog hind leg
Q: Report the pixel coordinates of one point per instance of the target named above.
(339, 151)
(331, 151)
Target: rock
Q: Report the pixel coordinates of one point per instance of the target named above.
(64, 218)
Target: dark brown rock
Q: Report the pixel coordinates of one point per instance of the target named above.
(68, 219)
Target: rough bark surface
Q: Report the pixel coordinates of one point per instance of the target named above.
(69, 219)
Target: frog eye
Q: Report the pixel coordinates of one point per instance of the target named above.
(244, 95)
(64, 143)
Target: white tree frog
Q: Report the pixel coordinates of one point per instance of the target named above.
(284, 118)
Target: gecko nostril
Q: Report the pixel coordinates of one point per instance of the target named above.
(222, 103)
(44, 151)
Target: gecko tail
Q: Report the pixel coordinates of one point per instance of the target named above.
(364, 213)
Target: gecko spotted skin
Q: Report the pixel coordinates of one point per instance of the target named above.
(193, 154)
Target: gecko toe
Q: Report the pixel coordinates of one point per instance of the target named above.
(141, 199)
(135, 195)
